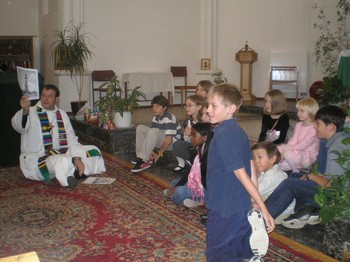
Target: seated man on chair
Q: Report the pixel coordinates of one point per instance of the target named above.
(49, 147)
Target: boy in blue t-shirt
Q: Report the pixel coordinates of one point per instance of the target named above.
(231, 186)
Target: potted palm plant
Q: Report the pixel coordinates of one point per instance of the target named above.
(70, 52)
(115, 106)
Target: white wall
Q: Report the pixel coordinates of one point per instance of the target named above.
(152, 35)
(274, 25)
(147, 35)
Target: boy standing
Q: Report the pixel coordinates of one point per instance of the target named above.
(163, 132)
(230, 185)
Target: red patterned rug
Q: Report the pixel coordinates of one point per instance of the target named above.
(129, 220)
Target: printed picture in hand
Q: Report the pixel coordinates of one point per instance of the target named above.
(99, 180)
(28, 82)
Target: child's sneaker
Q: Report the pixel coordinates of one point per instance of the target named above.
(259, 240)
(140, 166)
(135, 161)
(167, 193)
(256, 259)
(190, 203)
(308, 215)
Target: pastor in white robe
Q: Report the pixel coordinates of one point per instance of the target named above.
(60, 165)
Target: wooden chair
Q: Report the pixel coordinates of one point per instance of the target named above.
(285, 76)
(99, 77)
(181, 71)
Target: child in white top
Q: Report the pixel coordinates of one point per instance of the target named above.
(266, 159)
(302, 149)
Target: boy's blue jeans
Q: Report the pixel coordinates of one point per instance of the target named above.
(303, 191)
(181, 192)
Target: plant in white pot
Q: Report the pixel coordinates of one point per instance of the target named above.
(71, 51)
(115, 106)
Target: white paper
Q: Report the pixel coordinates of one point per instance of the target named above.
(99, 180)
(28, 82)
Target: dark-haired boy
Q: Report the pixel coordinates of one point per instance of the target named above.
(329, 126)
(164, 130)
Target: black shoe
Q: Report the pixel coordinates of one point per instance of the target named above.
(72, 182)
(135, 161)
(204, 216)
(76, 175)
(178, 168)
(141, 166)
(204, 221)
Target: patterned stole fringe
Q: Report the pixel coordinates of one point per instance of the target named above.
(46, 128)
(93, 152)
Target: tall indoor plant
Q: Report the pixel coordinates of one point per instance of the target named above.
(332, 40)
(71, 51)
(334, 202)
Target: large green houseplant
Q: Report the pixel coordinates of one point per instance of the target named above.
(71, 51)
(334, 203)
(333, 38)
(115, 102)
(334, 200)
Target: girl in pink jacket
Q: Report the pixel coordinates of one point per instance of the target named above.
(302, 149)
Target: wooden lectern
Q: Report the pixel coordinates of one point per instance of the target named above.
(246, 57)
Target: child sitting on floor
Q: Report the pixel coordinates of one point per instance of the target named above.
(163, 132)
(275, 121)
(302, 149)
(203, 87)
(181, 148)
(190, 189)
(266, 158)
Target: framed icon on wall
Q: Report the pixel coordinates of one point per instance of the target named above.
(205, 64)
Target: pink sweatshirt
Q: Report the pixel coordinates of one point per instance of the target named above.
(302, 149)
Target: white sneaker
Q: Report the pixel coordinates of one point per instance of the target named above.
(297, 223)
(190, 203)
(259, 240)
(307, 215)
(167, 193)
(256, 259)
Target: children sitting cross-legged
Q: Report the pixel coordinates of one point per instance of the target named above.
(266, 159)
(163, 132)
(190, 189)
(181, 148)
(303, 187)
(302, 149)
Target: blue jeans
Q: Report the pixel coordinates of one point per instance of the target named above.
(228, 238)
(181, 192)
(303, 191)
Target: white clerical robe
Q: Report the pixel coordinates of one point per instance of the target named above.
(32, 147)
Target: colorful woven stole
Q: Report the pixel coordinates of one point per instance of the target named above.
(46, 129)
